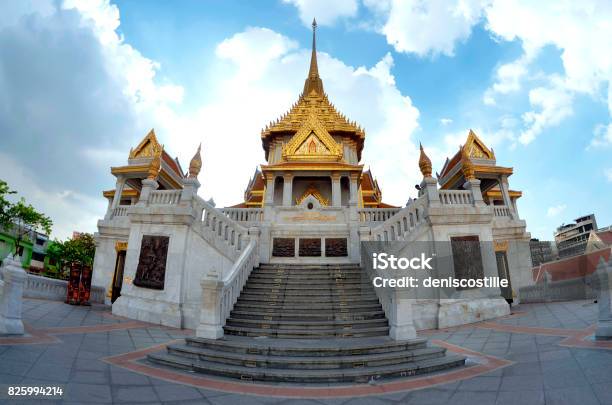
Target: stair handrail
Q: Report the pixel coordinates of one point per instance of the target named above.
(219, 294)
(400, 225)
(222, 227)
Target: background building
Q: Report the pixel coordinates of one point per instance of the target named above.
(541, 251)
(571, 239)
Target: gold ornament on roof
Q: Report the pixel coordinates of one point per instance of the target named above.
(196, 164)
(424, 163)
(147, 147)
(467, 167)
(155, 165)
(312, 191)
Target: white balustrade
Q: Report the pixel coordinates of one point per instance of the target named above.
(455, 197)
(165, 197)
(252, 215)
(376, 214)
(120, 211)
(218, 224)
(402, 223)
(501, 211)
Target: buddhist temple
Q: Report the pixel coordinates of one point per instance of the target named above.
(293, 259)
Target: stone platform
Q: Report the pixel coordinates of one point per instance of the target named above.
(542, 354)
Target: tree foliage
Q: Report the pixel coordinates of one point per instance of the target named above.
(80, 249)
(20, 217)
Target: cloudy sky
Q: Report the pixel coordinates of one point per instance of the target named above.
(83, 81)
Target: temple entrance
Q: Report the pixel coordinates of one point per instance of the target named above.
(118, 276)
(503, 272)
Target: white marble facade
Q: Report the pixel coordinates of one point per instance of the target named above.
(210, 242)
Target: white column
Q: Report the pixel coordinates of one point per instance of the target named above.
(269, 197)
(353, 189)
(119, 186)
(336, 193)
(503, 186)
(287, 189)
(11, 296)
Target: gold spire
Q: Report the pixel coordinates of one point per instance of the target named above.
(467, 167)
(424, 163)
(196, 164)
(313, 81)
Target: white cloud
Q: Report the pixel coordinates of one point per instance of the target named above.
(553, 104)
(555, 210)
(74, 98)
(426, 27)
(446, 121)
(603, 136)
(608, 174)
(508, 79)
(581, 31)
(326, 12)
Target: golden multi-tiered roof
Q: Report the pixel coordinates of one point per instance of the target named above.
(313, 101)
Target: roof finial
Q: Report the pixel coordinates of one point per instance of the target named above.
(313, 81)
(196, 164)
(424, 162)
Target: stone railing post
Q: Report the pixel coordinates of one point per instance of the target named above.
(211, 324)
(190, 190)
(11, 297)
(474, 186)
(430, 188)
(147, 187)
(401, 320)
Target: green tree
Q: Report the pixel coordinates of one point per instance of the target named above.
(19, 217)
(80, 249)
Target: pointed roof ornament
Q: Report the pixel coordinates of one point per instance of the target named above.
(196, 164)
(313, 81)
(424, 163)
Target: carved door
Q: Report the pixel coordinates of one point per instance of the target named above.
(118, 277)
(504, 273)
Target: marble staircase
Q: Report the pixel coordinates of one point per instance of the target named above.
(297, 323)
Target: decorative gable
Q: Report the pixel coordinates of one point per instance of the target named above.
(312, 142)
(148, 147)
(477, 149)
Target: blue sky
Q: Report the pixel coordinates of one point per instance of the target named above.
(83, 81)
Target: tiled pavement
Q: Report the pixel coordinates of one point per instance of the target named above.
(547, 346)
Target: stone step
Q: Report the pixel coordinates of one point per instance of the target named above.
(268, 299)
(305, 292)
(316, 307)
(309, 275)
(309, 272)
(316, 267)
(295, 333)
(306, 362)
(287, 325)
(277, 315)
(310, 284)
(357, 374)
(307, 347)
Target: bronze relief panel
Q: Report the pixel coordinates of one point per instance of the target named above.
(151, 270)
